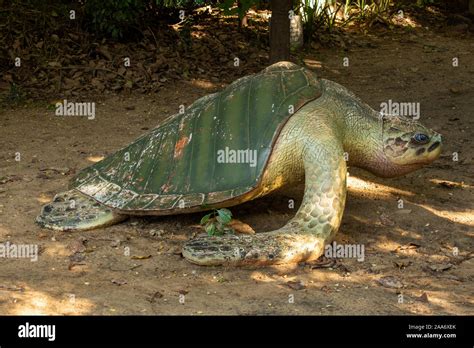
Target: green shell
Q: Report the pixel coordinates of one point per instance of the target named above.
(179, 163)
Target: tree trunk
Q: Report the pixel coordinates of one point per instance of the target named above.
(280, 30)
(243, 22)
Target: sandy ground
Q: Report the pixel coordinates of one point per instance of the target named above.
(136, 267)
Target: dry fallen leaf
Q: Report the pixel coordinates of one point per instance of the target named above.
(241, 227)
(423, 298)
(450, 184)
(296, 285)
(385, 220)
(12, 288)
(441, 267)
(409, 246)
(118, 282)
(140, 257)
(77, 257)
(403, 211)
(9, 178)
(390, 282)
(402, 263)
(323, 262)
(326, 289)
(156, 295)
(104, 52)
(78, 245)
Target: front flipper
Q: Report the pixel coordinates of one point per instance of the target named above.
(303, 237)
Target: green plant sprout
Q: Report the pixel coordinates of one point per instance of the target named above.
(216, 223)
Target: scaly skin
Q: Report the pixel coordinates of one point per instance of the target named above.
(312, 144)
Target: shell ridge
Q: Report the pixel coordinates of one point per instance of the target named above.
(282, 84)
(152, 170)
(214, 135)
(134, 167)
(193, 140)
(248, 114)
(171, 154)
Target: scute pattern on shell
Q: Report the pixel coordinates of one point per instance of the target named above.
(175, 165)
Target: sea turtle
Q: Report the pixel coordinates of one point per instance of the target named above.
(275, 128)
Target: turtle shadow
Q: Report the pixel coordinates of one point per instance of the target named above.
(435, 188)
(379, 224)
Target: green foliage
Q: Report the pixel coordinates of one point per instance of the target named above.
(241, 9)
(216, 222)
(368, 11)
(321, 15)
(318, 15)
(15, 95)
(309, 19)
(119, 18)
(424, 3)
(179, 3)
(114, 17)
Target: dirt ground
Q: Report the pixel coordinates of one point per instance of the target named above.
(426, 247)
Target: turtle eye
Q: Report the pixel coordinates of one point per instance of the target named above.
(420, 138)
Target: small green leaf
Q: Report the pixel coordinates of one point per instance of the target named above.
(227, 211)
(206, 218)
(224, 216)
(210, 229)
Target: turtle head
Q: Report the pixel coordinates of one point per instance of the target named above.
(407, 145)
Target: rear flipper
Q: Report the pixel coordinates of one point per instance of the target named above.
(74, 211)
